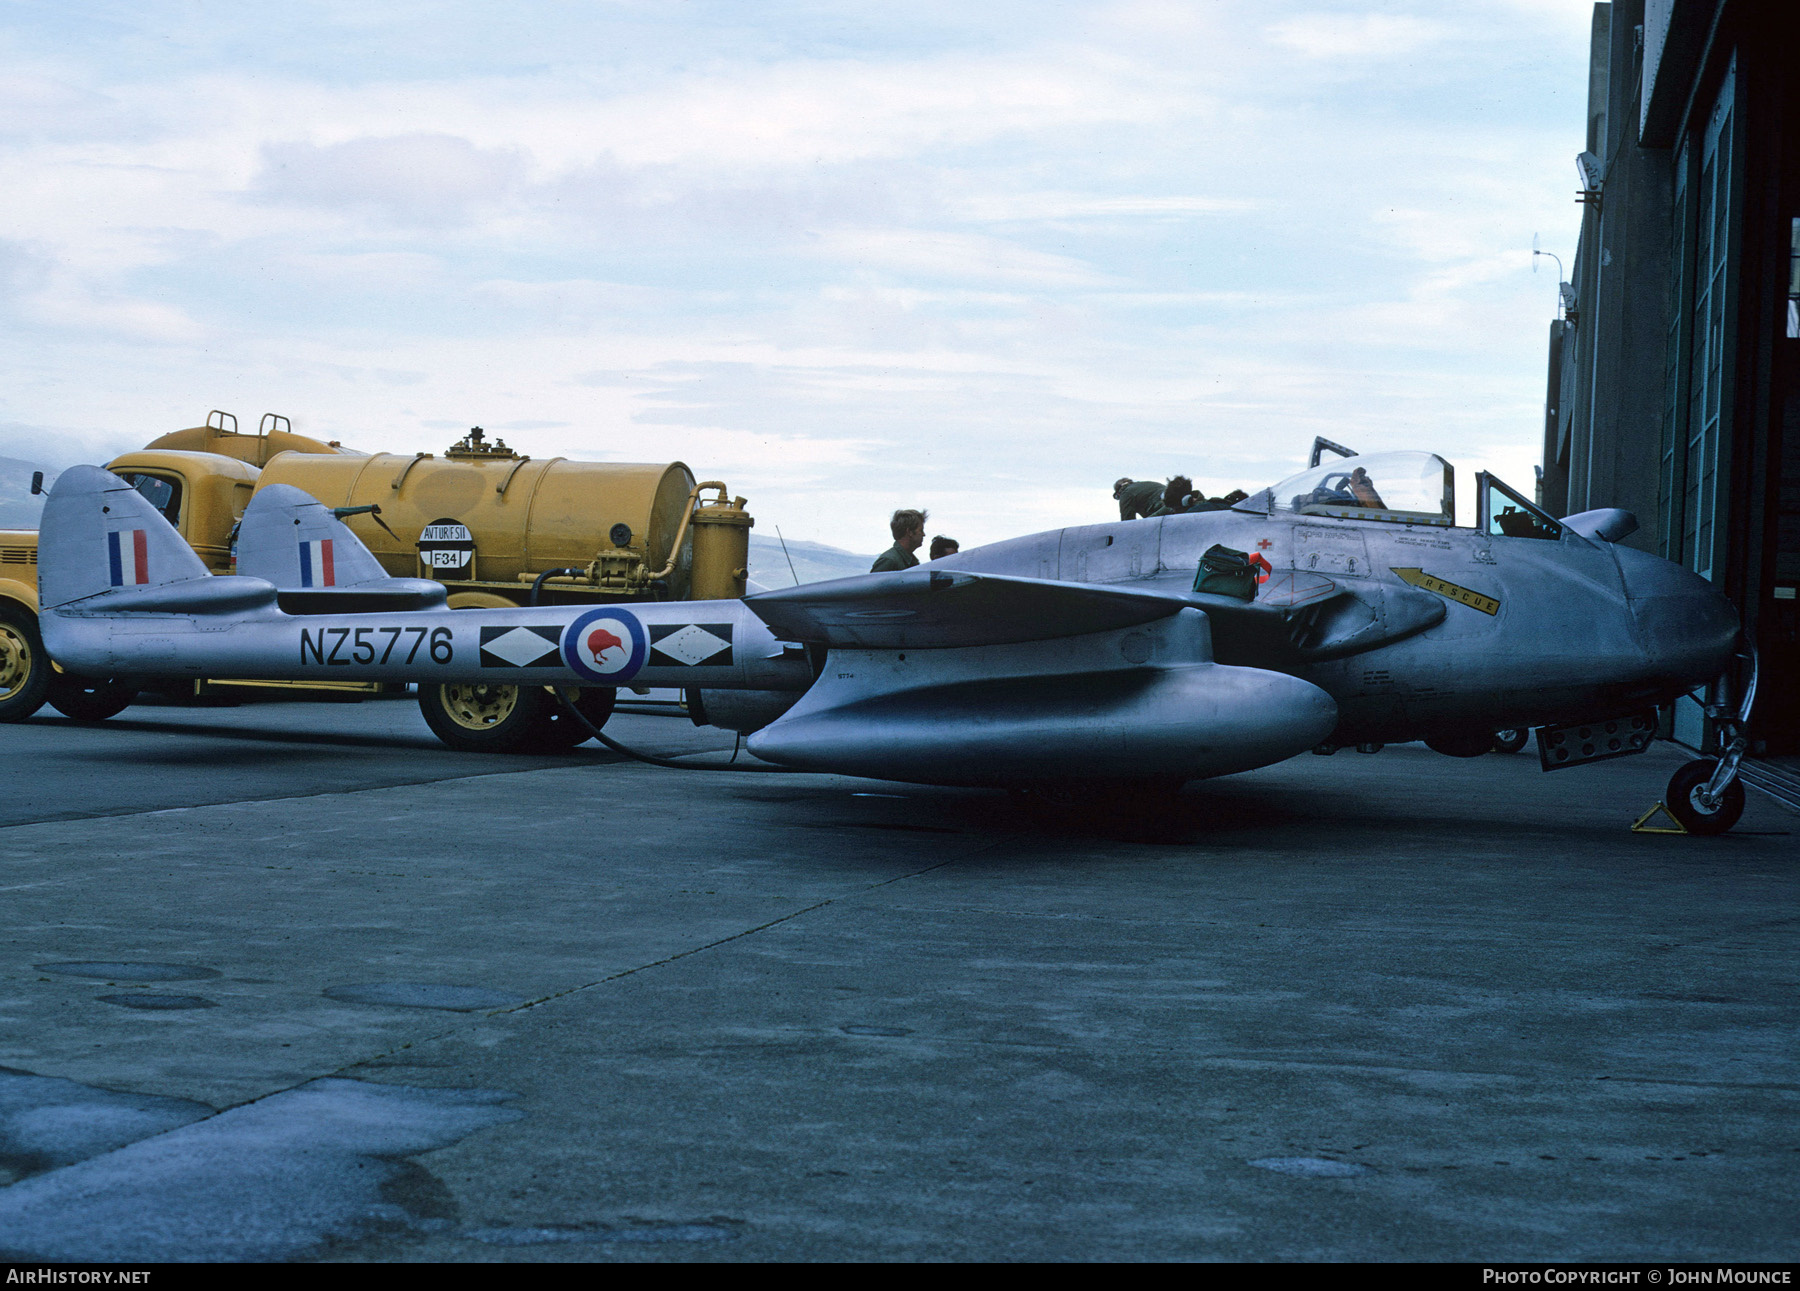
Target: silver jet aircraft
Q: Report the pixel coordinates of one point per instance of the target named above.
(1341, 607)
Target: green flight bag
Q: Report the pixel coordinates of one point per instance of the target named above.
(1226, 572)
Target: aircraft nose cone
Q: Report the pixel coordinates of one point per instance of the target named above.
(1689, 628)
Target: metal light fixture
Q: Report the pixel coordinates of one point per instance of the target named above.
(1587, 165)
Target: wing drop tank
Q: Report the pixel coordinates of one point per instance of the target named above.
(1145, 702)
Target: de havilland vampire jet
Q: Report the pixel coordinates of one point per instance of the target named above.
(1340, 607)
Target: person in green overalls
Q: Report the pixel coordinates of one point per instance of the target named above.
(908, 528)
(1139, 498)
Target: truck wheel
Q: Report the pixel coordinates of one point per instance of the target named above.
(560, 731)
(89, 700)
(24, 667)
(1683, 799)
(481, 717)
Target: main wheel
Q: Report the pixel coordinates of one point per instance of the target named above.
(87, 699)
(1511, 739)
(1461, 744)
(24, 667)
(1683, 799)
(484, 717)
(560, 731)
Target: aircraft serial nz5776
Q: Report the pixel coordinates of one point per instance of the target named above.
(1340, 607)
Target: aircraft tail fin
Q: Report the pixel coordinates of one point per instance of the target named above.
(288, 538)
(100, 535)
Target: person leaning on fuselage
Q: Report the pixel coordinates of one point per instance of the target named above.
(908, 528)
(1139, 498)
(1197, 502)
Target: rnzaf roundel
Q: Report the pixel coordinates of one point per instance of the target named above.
(606, 645)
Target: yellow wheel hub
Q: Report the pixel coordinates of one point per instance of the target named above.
(479, 706)
(15, 660)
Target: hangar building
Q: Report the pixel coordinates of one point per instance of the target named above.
(1674, 373)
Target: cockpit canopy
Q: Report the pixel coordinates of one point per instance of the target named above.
(1409, 488)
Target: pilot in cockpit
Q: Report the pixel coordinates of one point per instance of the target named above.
(1350, 489)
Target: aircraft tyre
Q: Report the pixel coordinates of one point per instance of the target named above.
(483, 717)
(1512, 739)
(1463, 744)
(1683, 799)
(24, 667)
(89, 699)
(559, 731)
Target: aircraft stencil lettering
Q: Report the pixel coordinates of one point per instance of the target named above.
(1445, 588)
(999, 665)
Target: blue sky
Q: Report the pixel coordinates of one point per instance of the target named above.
(980, 258)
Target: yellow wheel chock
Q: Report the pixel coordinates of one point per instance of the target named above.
(1644, 827)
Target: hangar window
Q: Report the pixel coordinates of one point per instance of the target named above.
(1408, 488)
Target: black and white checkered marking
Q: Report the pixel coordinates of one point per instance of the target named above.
(522, 647)
(693, 645)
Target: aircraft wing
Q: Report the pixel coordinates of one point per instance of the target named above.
(928, 608)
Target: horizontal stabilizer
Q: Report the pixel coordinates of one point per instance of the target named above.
(100, 535)
(930, 609)
(223, 594)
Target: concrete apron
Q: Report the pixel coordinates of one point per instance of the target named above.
(1399, 1007)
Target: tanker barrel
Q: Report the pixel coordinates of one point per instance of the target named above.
(498, 520)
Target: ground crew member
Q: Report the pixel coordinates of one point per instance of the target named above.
(908, 528)
(1231, 499)
(1138, 498)
(942, 546)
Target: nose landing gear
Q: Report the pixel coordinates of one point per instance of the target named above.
(1705, 796)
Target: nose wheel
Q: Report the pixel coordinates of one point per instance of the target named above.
(1694, 801)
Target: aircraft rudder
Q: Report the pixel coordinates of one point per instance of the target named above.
(98, 534)
(290, 539)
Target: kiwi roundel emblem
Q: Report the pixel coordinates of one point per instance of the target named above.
(606, 645)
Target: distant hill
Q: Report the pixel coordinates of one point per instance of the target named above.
(814, 562)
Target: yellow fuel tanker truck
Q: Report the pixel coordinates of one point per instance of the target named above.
(491, 524)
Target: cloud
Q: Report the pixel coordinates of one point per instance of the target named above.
(982, 257)
(416, 179)
(1356, 36)
(33, 104)
(964, 257)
